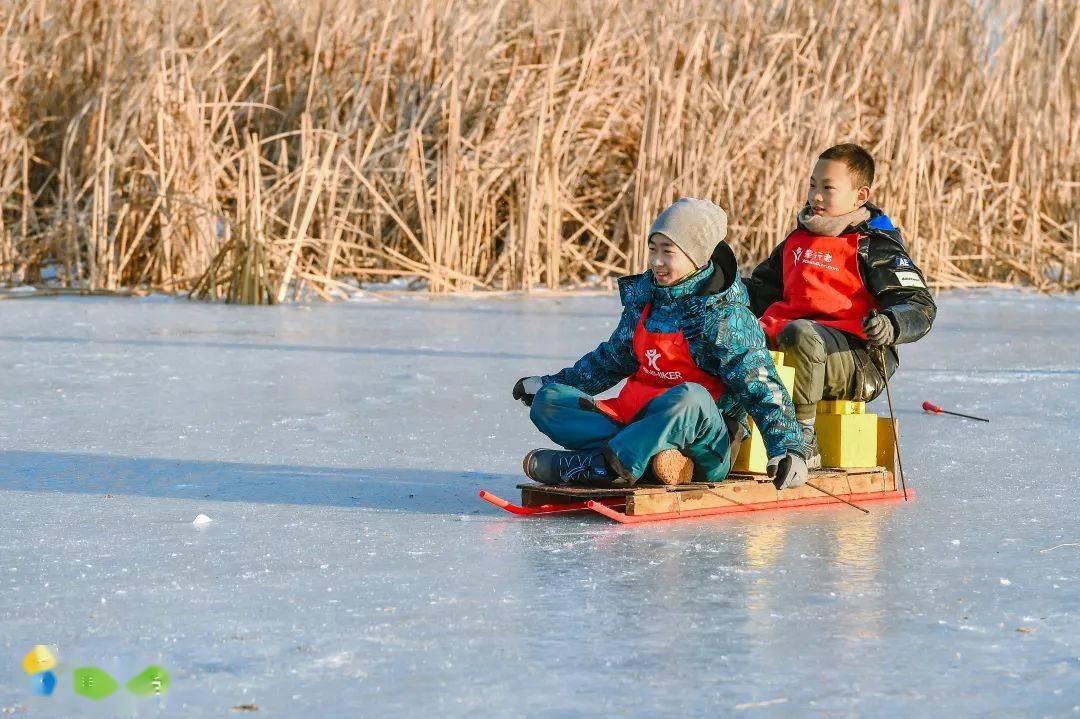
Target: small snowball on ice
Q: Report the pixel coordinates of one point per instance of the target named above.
(201, 520)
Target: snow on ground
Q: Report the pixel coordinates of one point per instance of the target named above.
(350, 569)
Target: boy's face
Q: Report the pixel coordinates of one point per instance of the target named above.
(668, 263)
(831, 190)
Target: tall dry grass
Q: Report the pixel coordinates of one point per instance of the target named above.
(251, 148)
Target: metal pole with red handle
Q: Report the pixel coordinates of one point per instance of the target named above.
(892, 420)
(931, 407)
(892, 414)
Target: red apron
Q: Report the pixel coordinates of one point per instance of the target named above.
(664, 361)
(822, 283)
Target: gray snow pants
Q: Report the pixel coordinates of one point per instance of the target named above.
(830, 364)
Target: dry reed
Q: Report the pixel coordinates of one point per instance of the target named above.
(247, 150)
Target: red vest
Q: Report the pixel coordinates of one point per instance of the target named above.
(664, 361)
(822, 283)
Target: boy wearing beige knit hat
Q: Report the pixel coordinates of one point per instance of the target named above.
(695, 362)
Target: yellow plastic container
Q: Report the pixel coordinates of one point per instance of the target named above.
(841, 406)
(752, 455)
(846, 435)
(886, 445)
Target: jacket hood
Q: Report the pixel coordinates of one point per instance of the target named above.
(878, 221)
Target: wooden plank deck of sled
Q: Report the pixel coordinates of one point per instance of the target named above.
(739, 489)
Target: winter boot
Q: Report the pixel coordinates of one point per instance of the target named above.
(810, 445)
(553, 466)
(672, 467)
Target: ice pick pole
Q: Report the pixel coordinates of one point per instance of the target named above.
(931, 407)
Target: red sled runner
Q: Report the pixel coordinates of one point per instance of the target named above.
(739, 493)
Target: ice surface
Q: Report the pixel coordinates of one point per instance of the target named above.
(351, 570)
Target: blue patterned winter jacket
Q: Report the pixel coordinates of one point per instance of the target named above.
(712, 310)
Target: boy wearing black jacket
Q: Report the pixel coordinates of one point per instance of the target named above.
(840, 291)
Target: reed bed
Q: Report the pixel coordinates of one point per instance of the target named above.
(254, 150)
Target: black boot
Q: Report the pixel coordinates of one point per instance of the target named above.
(553, 466)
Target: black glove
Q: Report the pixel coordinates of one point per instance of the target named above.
(788, 471)
(526, 388)
(879, 330)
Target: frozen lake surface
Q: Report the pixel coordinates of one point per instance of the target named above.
(350, 569)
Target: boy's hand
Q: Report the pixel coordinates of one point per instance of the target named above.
(526, 388)
(879, 330)
(788, 471)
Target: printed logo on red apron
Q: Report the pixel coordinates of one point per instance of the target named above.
(664, 361)
(822, 283)
(820, 259)
(652, 357)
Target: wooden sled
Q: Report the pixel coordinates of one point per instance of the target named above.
(739, 493)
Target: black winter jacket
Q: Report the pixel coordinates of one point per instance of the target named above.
(887, 271)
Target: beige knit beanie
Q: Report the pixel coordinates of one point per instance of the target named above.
(695, 226)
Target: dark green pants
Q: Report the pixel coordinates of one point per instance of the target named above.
(685, 418)
(830, 364)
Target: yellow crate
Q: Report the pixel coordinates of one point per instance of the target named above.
(847, 440)
(752, 455)
(841, 406)
(886, 446)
